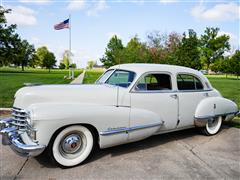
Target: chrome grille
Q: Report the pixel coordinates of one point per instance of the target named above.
(19, 118)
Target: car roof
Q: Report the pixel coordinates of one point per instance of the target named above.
(141, 68)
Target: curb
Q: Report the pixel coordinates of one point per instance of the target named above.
(5, 109)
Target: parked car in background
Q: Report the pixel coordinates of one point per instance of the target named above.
(129, 102)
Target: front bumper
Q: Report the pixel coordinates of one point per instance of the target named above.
(12, 137)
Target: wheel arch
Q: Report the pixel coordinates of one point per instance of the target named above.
(92, 128)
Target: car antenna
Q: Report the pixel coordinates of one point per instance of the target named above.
(118, 86)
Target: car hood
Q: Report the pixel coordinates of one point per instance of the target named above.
(87, 94)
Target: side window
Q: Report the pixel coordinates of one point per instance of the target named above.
(188, 82)
(154, 82)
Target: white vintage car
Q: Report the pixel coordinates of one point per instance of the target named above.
(129, 102)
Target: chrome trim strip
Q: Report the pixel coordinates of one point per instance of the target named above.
(18, 110)
(208, 117)
(198, 90)
(126, 130)
(19, 115)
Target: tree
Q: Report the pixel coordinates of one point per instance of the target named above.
(90, 64)
(73, 65)
(213, 46)
(47, 58)
(8, 39)
(157, 46)
(49, 61)
(34, 61)
(62, 66)
(113, 52)
(171, 47)
(188, 52)
(25, 53)
(136, 52)
(66, 59)
(234, 63)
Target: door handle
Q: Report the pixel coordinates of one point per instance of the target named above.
(174, 96)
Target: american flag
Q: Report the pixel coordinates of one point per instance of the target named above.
(62, 25)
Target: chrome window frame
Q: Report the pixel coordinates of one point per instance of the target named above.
(133, 90)
(192, 90)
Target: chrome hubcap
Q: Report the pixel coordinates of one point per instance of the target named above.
(71, 143)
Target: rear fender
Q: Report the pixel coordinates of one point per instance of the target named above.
(212, 107)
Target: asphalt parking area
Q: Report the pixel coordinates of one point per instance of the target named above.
(184, 154)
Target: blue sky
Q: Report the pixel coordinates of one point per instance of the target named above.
(94, 22)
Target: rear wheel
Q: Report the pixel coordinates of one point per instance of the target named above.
(212, 127)
(72, 145)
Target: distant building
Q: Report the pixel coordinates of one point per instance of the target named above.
(96, 66)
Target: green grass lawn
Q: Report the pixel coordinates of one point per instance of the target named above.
(229, 88)
(11, 79)
(92, 75)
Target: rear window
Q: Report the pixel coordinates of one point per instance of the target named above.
(188, 82)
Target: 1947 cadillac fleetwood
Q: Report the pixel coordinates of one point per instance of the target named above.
(127, 103)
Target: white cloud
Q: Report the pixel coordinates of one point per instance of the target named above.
(22, 16)
(168, 1)
(220, 12)
(101, 5)
(36, 1)
(76, 5)
(91, 8)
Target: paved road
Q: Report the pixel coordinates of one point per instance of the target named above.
(185, 155)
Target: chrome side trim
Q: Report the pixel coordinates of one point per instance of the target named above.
(126, 130)
(209, 117)
(203, 120)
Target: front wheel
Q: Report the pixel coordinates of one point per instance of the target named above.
(212, 127)
(72, 145)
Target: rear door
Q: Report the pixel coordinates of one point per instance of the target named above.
(190, 93)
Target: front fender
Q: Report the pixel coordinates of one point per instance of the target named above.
(212, 107)
(48, 118)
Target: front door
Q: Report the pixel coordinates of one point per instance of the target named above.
(152, 99)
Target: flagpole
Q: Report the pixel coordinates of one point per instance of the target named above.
(70, 26)
(70, 45)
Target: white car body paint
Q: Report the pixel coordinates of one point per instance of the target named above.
(121, 115)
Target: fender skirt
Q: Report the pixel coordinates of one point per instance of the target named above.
(213, 107)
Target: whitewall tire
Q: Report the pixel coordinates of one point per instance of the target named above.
(72, 145)
(213, 127)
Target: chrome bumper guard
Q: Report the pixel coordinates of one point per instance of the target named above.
(11, 137)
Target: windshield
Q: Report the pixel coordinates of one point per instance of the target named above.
(120, 78)
(104, 77)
